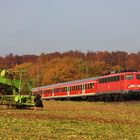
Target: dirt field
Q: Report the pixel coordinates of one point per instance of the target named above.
(73, 120)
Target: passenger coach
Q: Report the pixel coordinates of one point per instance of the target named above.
(67, 90)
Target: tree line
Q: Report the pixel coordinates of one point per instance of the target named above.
(51, 68)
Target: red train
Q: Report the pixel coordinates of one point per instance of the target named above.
(112, 87)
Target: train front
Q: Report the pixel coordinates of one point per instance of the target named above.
(132, 83)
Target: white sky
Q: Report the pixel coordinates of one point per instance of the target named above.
(36, 26)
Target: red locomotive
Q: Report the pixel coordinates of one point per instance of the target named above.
(117, 86)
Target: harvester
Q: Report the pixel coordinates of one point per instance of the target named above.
(15, 92)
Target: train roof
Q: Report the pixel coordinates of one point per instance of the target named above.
(121, 73)
(69, 83)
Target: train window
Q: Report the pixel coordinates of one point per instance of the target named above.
(57, 90)
(91, 85)
(80, 87)
(138, 76)
(115, 79)
(112, 79)
(73, 88)
(108, 79)
(101, 80)
(88, 86)
(64, 89)
(118, 78)
(105, 80)
(47, 91)
(122, 77)
(60, 89)
(129, 77)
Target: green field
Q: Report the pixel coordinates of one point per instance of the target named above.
(72, 121)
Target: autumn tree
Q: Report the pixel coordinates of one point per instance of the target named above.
(133, 62)
(48, 68)
(63, 69)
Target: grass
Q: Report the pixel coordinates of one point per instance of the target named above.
(73, 121)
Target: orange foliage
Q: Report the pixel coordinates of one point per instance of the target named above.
(73, 65)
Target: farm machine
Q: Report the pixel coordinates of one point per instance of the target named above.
(15, 90)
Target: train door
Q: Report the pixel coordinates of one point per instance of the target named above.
(122, 82)
(95, 87)
(137, 81)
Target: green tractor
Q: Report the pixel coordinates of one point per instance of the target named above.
(15, 92)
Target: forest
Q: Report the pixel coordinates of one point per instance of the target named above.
(51, 68)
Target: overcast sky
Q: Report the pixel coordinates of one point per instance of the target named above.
(36, 26)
